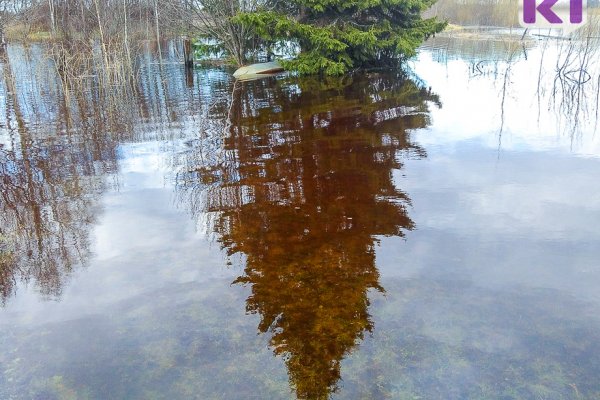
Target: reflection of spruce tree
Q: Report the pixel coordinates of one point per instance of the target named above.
(314, 184)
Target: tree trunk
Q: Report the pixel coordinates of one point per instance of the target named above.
(52, 17)
(102, 42)
(126, 34)
(188, 54)
(2, 39)
(157, 30)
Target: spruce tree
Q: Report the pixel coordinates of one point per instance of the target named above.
(336, 36)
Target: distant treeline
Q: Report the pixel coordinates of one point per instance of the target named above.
(477, 12)
(483, 12)
(21, 19)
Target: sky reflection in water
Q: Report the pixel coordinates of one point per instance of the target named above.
(387, 236)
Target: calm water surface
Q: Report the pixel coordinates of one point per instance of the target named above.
(431, 234)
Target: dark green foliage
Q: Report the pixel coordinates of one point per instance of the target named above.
(335, 36)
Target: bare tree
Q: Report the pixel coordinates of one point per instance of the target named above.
(212, 19)
(8, 12)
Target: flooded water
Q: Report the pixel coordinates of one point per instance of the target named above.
(427, 234)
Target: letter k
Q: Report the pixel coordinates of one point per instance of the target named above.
(545, 8)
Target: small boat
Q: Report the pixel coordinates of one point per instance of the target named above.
(259, 70)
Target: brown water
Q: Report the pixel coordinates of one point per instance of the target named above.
(429, 235)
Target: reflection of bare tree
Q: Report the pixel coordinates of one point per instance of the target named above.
(577, 77)
(59, 132)
(569, 86)
(302, 188)
(49, 188)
